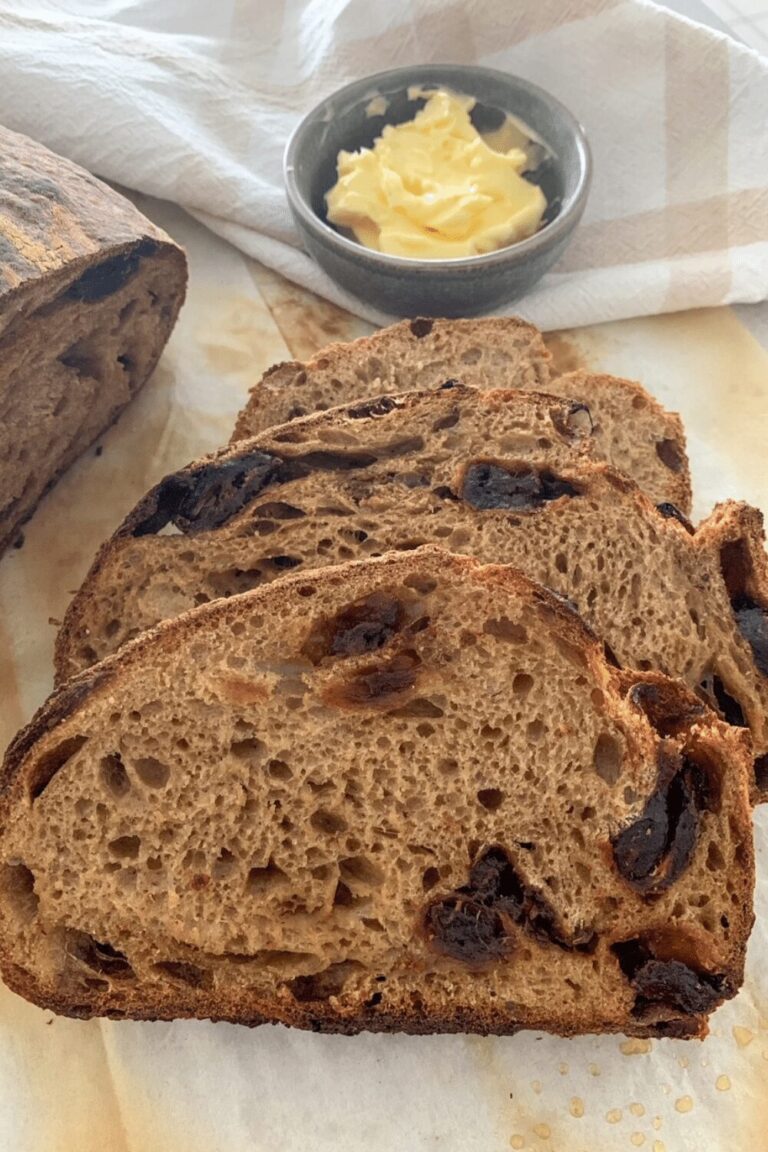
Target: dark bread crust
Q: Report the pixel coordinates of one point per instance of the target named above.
(56, 221)
(694, 724)
(70, 248)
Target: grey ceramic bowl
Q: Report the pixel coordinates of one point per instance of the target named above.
(408, 287)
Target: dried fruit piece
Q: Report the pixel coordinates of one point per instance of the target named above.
(655, 850)
(487, 485)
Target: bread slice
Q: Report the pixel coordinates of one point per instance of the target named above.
(632, 430)
(403, 794)
(492, 474)
(89, 293)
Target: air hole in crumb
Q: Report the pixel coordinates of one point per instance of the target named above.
(52, 762)
(448, 766)
(343, 896)
(261, 879)
(325, 984)
(522, 684)
(506, 629)
(491, 798)
(429, 878)
(715, 858)
(422, 584)
(279, 770)
(152, 772)
(536, 730)
(607, 758)
(125, 847)
(184, 972)
(18, 886)
(250, 751)
(223, 864)
(359, 871)
(327, 822)
(113, 775)
(561, 562)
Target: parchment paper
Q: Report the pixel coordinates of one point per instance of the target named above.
(199, 1087)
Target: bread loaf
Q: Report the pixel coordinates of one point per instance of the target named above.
(89, 292)
(632, 431)
(492, 474)
(406, 794)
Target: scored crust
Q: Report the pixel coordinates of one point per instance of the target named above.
(195, 956)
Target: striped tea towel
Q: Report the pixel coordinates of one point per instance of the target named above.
(193, 102)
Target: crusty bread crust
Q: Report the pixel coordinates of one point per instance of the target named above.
(89, 293)
(664, 707)
(56, 220)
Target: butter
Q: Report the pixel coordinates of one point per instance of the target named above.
(434, 189)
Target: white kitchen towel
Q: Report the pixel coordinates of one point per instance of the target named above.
(193, 101)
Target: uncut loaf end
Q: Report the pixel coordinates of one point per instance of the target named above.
(89, 293)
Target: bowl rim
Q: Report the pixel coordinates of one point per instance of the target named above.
(566, 219)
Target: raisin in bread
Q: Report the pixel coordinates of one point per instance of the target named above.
(89, 292)
(480, 472)
(400, 794)
(632, 430)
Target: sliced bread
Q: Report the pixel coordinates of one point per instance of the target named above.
(89, 293)
(632, 430)
(492, 474)
(406, 794)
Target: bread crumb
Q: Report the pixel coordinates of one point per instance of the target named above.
(637, 1109)
(614, 1116)
(683, 1104)
(638, 1139)
(543, 1131)
(517, 1142)
(635, 1047)
(742, 1036)
(577, 1107)
(723, 1083)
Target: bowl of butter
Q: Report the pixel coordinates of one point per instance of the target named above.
(440, 190)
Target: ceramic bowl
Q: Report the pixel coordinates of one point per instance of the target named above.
(415, 287)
